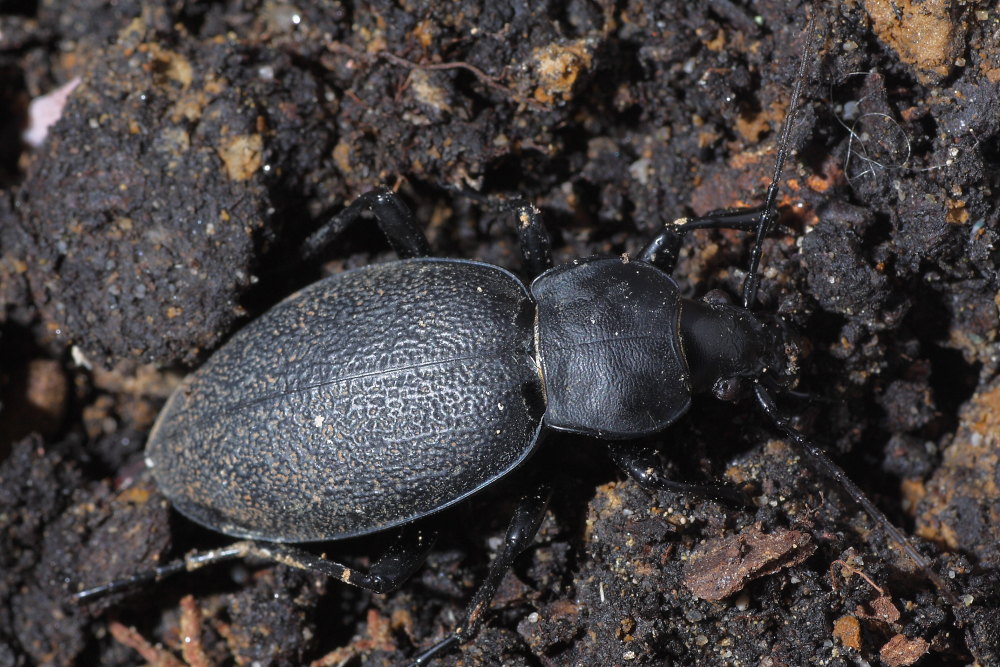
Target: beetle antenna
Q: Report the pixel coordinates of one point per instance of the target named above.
(767, 216)
(826, 465)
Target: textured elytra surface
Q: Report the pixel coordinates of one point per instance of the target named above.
(608, 334)
(366, 400)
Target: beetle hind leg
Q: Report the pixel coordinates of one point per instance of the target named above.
(405, 555)
(395, 566)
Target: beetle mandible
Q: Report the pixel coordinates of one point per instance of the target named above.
(379, 396)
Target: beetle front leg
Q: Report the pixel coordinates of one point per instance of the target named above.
(520, 533)
(405, 555)
(640, 463)
(663, 249)
(393, 217)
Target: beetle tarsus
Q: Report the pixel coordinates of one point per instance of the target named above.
(431, 653)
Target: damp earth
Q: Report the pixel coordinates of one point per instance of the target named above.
(198, 144)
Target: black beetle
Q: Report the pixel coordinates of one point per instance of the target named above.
(382, 395)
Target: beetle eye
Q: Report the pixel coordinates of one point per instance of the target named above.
(718, 297)
(729, 389)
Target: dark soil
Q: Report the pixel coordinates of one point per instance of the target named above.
(207, 140)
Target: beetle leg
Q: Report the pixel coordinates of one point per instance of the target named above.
(406, 554)
(393, 568)
(521, 531)
(393, 218)
(640, 463)
(663, 249)
(534, 240)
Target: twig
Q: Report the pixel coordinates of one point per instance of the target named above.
(492, 82)
(852, 570)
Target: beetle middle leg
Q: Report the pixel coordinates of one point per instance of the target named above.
(394, 567)
(536, 247)
(394, 218)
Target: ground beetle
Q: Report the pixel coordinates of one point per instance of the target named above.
(381, 395)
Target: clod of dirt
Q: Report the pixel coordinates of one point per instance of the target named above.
(64, 537)
(847, 630)
(32, 499)
(901, 651)
(121, 258)
(882, 609)
(962, 505)
(841, 277)
(927, 35)
(558, 66)
(720, 567)
(555, 624)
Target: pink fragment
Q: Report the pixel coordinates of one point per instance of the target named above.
(45, 110)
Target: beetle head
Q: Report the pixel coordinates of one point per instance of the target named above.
(727, 346)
